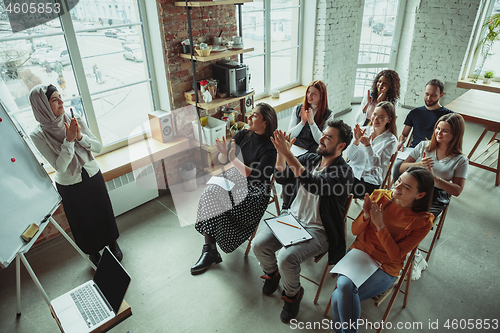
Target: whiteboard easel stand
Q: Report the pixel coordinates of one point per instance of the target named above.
(20, 257)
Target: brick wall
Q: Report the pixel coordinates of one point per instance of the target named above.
(441, 32)
(337, 43)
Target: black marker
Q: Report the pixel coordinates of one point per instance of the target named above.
(72, 115)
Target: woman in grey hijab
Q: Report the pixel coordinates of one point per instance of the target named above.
(67, 144)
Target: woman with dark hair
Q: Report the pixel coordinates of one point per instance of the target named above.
(372, 148)
(228, 218)
(385, 87)
(392, 224)
(442, 156)
(67, 144)
(310, 117)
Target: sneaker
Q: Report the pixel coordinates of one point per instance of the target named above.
(419, 264)
(291, 307)
(271, 283)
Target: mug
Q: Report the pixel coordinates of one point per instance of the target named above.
(203, 46)
(237, 40)
(217, 41)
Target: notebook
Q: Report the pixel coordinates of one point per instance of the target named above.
(288, 230)
(95, 302)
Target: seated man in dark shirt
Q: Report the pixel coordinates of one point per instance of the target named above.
(422, 120)
(323, 181)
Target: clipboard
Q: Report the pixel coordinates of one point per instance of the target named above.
(297, 151)
(288, 230)
(357, 265)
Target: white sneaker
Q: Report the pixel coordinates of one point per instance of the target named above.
(419, 264)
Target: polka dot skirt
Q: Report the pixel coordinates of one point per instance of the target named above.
(231, 217)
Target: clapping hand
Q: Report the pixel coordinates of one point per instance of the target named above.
(310, 116)
(73, 130)
(367, 206)
(369, 101)
(221, 145)
(427, 162)
(303, 116)
(366, 140)
(282, 142)
(358, 134)
(376, 215)
(382, 94)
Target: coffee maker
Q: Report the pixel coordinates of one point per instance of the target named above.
(233, 77)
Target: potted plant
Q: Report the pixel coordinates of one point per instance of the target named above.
(490, 31)
(488, 75)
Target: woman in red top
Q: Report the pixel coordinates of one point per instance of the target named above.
(392, 224)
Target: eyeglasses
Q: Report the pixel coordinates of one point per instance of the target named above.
(382, 118)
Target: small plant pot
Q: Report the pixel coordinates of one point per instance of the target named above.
(203, 53)
(487, 80)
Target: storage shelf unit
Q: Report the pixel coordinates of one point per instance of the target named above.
(216, 102)
(217, 55)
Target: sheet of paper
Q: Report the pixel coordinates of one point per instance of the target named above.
(357, 266)
(222, 182)
(288, 230)
(402, 155)
(297, 151)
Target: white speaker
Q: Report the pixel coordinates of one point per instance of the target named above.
(248, 103)
(162, 129)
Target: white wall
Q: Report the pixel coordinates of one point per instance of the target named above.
(337, 44)
(441, 33)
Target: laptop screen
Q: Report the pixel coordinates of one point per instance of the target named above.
(112, 279)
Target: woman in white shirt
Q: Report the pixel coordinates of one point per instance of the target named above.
(371, 150)
(67, 144)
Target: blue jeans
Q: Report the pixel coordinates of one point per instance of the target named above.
(346, 299)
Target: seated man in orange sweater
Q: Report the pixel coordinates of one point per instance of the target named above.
(387, 239)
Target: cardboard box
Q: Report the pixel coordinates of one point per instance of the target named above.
(214, 129)
(189, 96)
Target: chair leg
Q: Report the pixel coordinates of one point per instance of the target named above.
(328, 306)
(408, 282)
(250, 240)
(437, 233)
(320, 285)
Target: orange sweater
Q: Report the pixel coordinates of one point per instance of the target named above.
(403, 231)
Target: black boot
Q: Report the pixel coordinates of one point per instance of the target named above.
(95, 258)
(117, 252)
(291, 307)
(209, 255)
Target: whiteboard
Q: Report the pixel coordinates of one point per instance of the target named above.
(26, 191)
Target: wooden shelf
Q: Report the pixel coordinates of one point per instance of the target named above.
(210, 3)
(217, 55)
(216, 102)
(492, 87)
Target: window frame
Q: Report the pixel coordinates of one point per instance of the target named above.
(267, 46)
(470, 61)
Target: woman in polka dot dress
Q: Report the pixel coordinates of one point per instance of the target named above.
(228, 218)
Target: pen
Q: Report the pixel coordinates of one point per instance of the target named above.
(290, 225)
(72, 115)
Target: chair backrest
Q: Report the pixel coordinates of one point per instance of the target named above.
(410, 138)
(386, 182)
(348, 205)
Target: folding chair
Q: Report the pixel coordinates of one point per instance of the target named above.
(395, 289)
(387, 182)
(437, 233)
(273, 199)
(320, 256)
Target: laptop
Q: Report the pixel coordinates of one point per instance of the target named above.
(95, 302)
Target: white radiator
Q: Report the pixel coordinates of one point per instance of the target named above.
(132, 189)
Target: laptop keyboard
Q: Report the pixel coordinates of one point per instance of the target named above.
(89, 305)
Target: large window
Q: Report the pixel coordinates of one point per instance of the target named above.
(480, 64)
(96, 55)
(380, 32)
(273, 29)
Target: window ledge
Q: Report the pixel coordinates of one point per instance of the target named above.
(136, 155)
(287, 99)
(494, 86)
